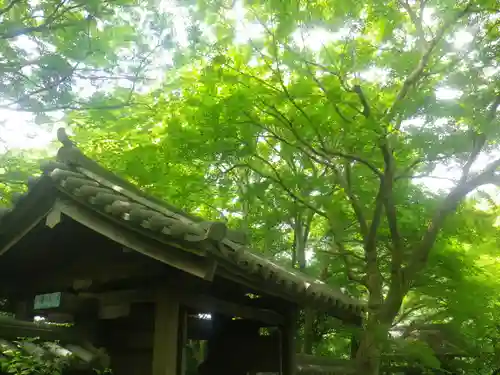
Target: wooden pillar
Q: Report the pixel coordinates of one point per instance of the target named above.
(182, 341)
(23, 310)
(166, 334)
(288, 345)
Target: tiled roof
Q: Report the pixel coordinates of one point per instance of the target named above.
(82, 179)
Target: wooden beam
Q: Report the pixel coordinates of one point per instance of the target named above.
(53, 217)
(122, 296)
(166, 334)
(114, 311)
(131, 240)
(211, 304)
(197, 301)
(22, 233)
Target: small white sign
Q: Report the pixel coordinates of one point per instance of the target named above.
(47, 301)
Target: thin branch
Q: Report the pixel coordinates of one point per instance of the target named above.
(291, 126)
(417, 176)
(9, 7)
(345, 257)
(344, 254)
(324, 156)
(368, 164)
(422, 64)
(407, 312)
(251, 76)
(422, 250)
(479, 141)
(362, 98)
(12, 182)
(46, 26)
(416, 163)
(358, 211)
(278, 180)
(78, 107)
(47, 87)
(417, 22)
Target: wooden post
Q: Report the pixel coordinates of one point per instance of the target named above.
(288, 345)
(182, 341)
(23, 310)
(166, 334)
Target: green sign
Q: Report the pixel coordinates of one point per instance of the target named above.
(47, 301)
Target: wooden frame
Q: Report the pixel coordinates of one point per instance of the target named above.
(193, 300)
(166, 334)
(202, 269)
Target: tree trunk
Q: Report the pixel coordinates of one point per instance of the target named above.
(307, 348)
(368, 356)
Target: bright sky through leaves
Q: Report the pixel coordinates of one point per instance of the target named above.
(19, 131)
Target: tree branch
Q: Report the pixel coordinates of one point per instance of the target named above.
(291, 127)
(479, 141)
(13, 182)
(46, 26)
(279, 181)
(346, 183)
(344, 254)
(407, 312)
(421, 251)
(374, 277)
(9, 7)
(417, 22)
(422, 64)
(324, 155)
(414, 164)
(364, 102)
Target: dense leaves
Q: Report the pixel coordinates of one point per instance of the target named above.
(54, 52)
(355, 141)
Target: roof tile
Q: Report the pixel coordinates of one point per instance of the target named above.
(83, 179)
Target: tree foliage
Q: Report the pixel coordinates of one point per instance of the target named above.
(311, 125)
(54, 49)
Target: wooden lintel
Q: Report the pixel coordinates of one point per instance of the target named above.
(131, 240)
(211, 304)
(201, 302)
(114, 311)
(122, 296)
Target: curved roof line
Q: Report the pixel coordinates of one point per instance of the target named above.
(81, 178)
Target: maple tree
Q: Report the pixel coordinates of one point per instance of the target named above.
(311, 128)
(318, 147)
(52, 49)
(62, 55)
